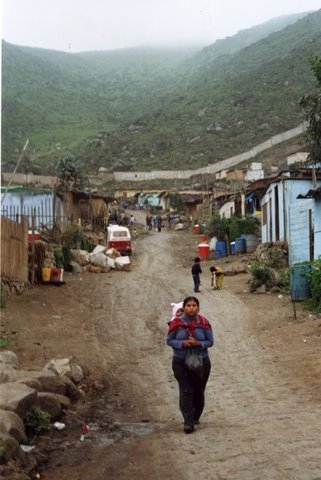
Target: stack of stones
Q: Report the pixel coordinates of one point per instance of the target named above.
(53, 389)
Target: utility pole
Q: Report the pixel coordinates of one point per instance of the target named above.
(15, 170)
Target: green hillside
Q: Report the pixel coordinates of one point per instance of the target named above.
(146, 108)
(225, 106)
(57, 99)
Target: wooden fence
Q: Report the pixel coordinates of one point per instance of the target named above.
(17, 257)
(14, 249)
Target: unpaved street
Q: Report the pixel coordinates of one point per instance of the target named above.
(262, 415)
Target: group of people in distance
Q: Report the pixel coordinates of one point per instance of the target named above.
(154, 220)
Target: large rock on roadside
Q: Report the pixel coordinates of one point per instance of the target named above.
(31, 383)
(99, 248)
(112, 253)
(236, 269)
(8, 373)
(52, 389)
(17, 397)
(65, 366)
(80, 256)
(122, 263)
(47, 379)
(75, 267)
(8, 366)
(9, 447)
(9, 358)
(98, 259)
(53, 384)
(72, 391)
(12, 424)
(52, 403)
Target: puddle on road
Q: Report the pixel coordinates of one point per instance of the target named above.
(107, 435)
(122, 432)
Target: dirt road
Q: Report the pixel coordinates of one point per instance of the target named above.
(262, 415)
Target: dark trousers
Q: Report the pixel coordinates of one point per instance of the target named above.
(191, 389)
(197, 282)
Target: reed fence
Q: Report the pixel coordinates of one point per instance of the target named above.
(14, 249)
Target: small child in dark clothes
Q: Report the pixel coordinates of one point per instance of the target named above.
(196, 271)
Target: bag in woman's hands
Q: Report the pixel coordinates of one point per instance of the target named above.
(194, 362)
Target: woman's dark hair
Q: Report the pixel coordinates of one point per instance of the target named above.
(188, 299)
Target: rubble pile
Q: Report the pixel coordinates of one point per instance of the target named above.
(100, 260)
(53, 389)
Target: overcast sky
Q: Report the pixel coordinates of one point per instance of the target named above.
(83, 25)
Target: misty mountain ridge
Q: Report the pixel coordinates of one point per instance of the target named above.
(152, 108)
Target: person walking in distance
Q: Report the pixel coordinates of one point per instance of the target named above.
(149, 221)
(190, 330)
(196, 271)
(159, 223)
(132, 220)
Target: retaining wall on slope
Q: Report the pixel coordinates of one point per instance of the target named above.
(215, 167)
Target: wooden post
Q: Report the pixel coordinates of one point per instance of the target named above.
(294, 309)
(54, 198)
(32, 258)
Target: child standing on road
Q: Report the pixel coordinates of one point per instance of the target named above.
(217, 277)
(196, 271)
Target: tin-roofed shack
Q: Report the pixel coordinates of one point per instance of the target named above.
(88, 207)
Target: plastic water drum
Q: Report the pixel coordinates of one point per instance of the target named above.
(57, 274)
(300, 282)
(220, 249)
(46, 274)
(212, 243)
(250, 240)
(232, 248)
(196, 229)
(203, 250)
(240, 245)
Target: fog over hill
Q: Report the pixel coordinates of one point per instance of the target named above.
(153, 109)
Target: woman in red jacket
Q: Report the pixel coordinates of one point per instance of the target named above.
(190, 330)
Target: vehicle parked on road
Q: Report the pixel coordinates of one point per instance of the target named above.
(119, 237)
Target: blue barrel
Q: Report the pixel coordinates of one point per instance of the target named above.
(220, 249)
(232, 248)
(240, 245)
(300, 282)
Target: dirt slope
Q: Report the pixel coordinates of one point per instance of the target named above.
(262, 414)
